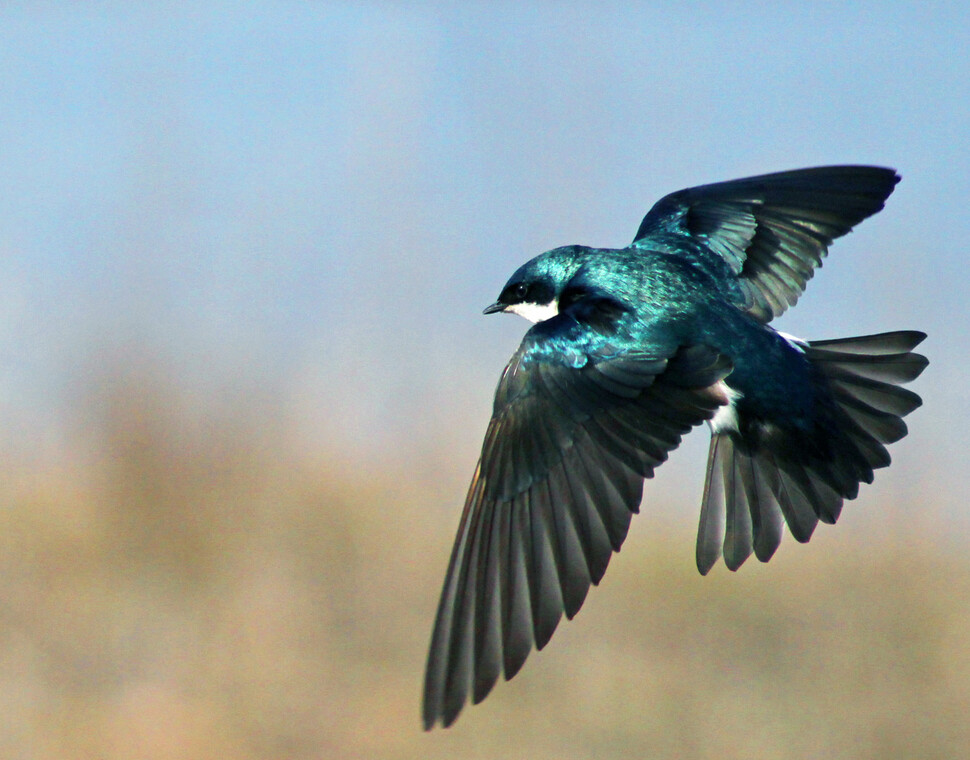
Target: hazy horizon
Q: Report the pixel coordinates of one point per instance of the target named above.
(243, 256)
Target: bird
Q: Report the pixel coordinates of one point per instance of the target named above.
(630, 349)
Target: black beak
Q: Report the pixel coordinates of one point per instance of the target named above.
(495, 308)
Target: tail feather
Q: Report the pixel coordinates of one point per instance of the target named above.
(738, 523)
(795, 505)
(766, 517)
(878, 395)
(753, 485)
(739, 512)
(710, 531)
(880, 344)
(883, 426)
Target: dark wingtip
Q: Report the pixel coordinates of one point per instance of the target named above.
(734, 560)
(704, 565)
(428, 717)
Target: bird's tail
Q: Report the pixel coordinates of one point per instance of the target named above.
(800, 478)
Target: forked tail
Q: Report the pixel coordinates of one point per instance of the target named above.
(801, 477)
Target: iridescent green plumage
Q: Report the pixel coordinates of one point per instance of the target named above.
(636, 346)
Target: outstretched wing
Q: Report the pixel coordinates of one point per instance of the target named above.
(772, 230)
(576, 427)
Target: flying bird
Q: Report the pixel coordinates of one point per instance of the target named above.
(633, 347)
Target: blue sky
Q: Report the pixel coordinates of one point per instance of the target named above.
(315, 201)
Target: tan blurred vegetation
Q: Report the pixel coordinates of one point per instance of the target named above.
(190, 584)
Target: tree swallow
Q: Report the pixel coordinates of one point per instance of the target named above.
(633, 347)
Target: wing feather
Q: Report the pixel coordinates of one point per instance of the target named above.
(773, 230)
(560, 476)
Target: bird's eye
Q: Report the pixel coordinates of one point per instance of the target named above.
(519, 292)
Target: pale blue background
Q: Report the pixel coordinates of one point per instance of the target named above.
(306, 206)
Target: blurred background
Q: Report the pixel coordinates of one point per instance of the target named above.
(244, 374)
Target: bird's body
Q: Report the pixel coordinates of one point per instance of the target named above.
(632, 348)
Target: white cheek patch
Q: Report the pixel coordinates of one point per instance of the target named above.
(726, 418)
(535, 312)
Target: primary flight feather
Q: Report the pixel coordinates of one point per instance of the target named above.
(631, 349)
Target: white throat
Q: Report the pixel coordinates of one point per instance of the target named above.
(535, 312)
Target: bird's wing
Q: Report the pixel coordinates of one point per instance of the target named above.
(577, 425)
(772, 230)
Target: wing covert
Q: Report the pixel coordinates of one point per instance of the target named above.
(774, 229)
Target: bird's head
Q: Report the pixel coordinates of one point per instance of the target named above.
(534, 289)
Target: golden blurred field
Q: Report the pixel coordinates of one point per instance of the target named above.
(191, 584)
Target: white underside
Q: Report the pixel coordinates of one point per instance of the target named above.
(726, 418)
(535, 312)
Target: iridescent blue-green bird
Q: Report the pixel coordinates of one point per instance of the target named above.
(632, 348)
